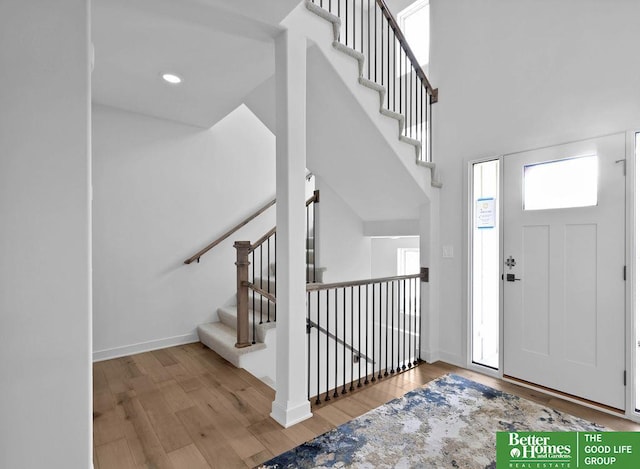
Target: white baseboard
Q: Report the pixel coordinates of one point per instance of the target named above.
(125, 350)
(429, 357)
(452, 359)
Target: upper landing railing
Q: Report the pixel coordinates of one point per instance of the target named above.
(368, 27)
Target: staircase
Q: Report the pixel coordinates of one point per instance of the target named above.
(413, 120)
(245, 333)
(257, 355)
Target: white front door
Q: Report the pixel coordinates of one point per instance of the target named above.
(564, 249)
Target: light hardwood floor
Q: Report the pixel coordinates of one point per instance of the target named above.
(187, 408)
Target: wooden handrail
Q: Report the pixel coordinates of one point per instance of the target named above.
(315, 198)
(269, 296)
(258, 212)
(424, 274)
(405, 45)
(262, 239)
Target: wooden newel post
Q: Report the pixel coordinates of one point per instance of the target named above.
(242, 262)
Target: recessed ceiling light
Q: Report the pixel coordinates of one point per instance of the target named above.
(171, 78)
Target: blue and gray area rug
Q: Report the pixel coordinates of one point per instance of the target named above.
(452, 422)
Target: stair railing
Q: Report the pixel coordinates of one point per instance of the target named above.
(311, 245)
(368, 27)
(379, 318)
(201, 252)
(256, 276)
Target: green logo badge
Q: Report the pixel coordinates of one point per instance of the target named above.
(547, 450)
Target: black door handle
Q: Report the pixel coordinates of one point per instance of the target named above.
(512, 278)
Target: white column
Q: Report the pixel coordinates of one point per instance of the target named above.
(291, 405)
(45, 235)
(429, 301)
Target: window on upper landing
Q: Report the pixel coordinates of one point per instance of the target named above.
(414, 23)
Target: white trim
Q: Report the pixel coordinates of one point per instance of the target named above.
(631, 293)
(452, 359)
(467, 262)
(563, 397)
(429, 357)
(148, 346)
(289, 414)
(410, 10)
(485, 370)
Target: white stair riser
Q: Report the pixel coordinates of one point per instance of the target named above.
(228, 316)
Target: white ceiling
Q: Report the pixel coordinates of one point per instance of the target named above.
(223, 49)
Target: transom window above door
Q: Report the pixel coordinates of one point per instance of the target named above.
(566, 183)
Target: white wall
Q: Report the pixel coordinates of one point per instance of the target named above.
(342, 247)
(515, 76)
(45, 307)
(162, 191)
(384, 254)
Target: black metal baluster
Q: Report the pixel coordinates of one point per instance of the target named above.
(389, 68)
(362, 27)
(415, 91)
(400, 50)
(425, 124)
(392, 330)
(352, 347)
(335, 324)
(430, 131)
(399, 299)
(395, 78)
(411, 102)
(380, 330)
(359, 336)
(400, 322)
(373, 332)
(369, 39)
(366, 334)
(275, 271)
(309, 345)
(261, 280)
(268, 277)
(308, 245)
(386, 332)
(344, 335)
(423, 153)
(416, 105)
(318, 401)
(409, 360)
(375, 41)
(314, 242)
(354, 24)
(404, 322)
(346, 23)
(406, 94)
(327, 398)
(419, 320)
(253, 293)
(416, 285)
